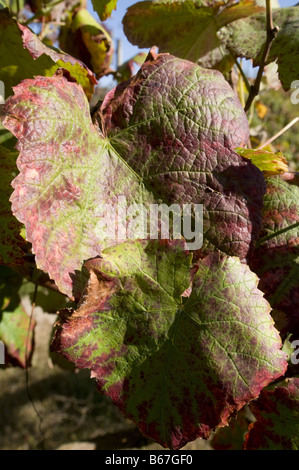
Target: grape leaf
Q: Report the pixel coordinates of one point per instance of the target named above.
(177, 366)
(284, 48)
(87, 40)
(23, 55)
(276, 257)
(16, 330)
(167, 135)
(232, 437)
(127, 69)
(10, 240)
(187, 29)
(277, 414)
(14, 334)
(104, 8)
(269, 163)
(7, 140)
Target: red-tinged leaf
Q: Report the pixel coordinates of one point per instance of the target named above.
(276, 257)
(11, 242)
(23, 55)
(177, 123)
(177, 366)
(165, 136)
(277, 414)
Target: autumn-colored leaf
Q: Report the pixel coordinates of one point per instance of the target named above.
(276, 257)
(269, 163)
(177, 366)
(277, 414)
(87, 40)
(23, 55)
(165, 136)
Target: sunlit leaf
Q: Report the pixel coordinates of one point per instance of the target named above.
(284, 48)
(104, 8)
(269, 163)
(187, 29)
(87, 40)
(23, 55)
(166, 136)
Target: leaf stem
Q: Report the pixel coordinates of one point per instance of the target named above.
(279, 133)
(271, 34)
(245, 79)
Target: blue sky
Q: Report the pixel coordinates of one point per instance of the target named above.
(114, 24)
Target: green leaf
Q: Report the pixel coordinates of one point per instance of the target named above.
(16, 330)
(232, 437)
(23, 55)
(7, 140)
(104, 8)
(284, 48)
(15, 333)
(269, 163)
(187, 29)
(276, 257)
(10, 240)
(177, 366)
(87, 40)
(277, 414)
(159, 140)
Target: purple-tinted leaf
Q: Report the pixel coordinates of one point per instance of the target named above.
(165, 136)
(276, 257)
(10, 240)
(177, 366)
(277, 414)
(177, 124)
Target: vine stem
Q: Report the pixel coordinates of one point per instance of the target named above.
(271, 34)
